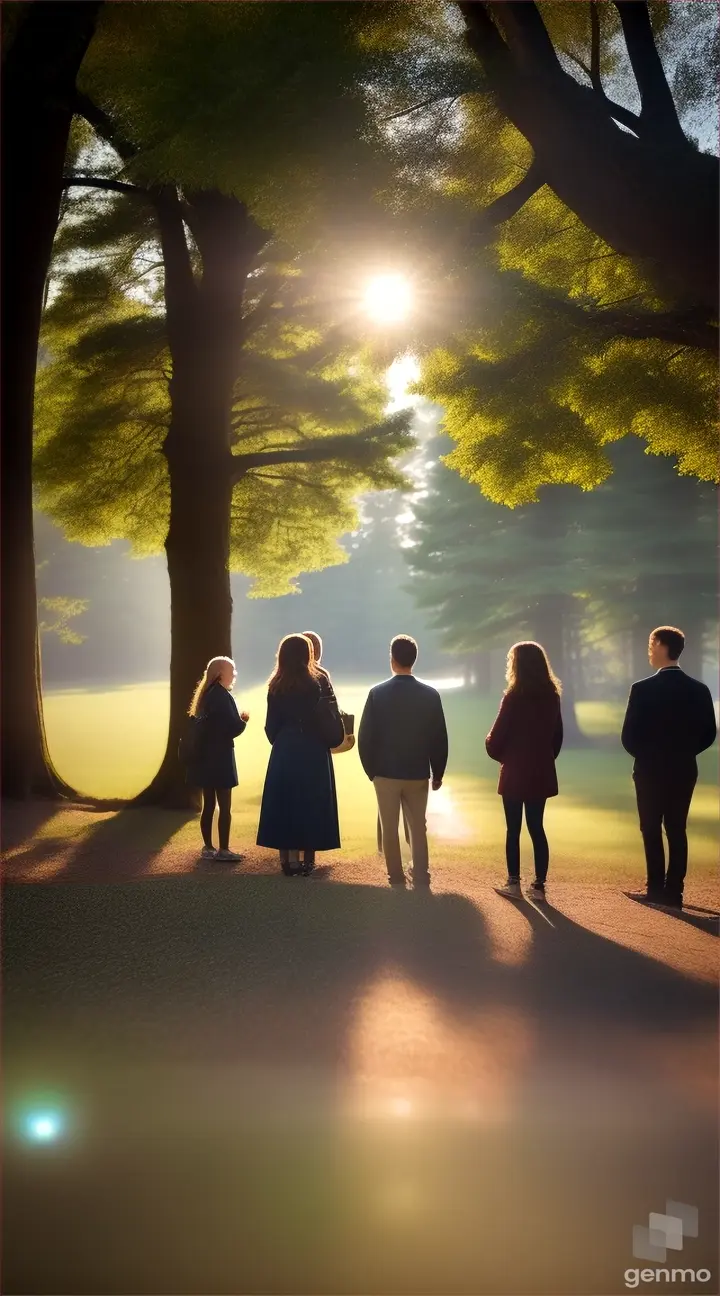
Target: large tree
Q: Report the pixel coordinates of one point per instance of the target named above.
(254, 473)
(634, 178)
(43, 47)
(287, 142)
(488, 574)
(559, 336)
(648, 543)
(572, 570)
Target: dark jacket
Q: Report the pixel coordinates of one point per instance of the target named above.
(526, 738)
(402, 731)
(213, 764)
(326, 684)
(670, 718)
(299, 803)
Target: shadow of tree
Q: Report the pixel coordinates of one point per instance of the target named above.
(20, 820)
(118, 847)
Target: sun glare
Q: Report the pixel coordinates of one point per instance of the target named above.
(388, 298)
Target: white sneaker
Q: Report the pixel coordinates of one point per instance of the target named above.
(227, 855)
(512, 889)
(536, 891)
(208, 852)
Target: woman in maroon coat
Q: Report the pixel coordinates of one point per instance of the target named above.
(526, 739)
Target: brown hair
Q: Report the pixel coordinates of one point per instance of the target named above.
(316, 643)
(529, 671)
(295, 669)
(404, 651)
(671, 638)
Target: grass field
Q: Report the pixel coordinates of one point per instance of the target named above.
(109, 743)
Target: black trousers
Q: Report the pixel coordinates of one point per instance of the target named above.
(223, 796)
(534, 811)
(663, 801)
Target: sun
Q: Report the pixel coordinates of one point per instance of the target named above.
(388, 298)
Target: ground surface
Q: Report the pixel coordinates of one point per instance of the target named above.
(322, 1086)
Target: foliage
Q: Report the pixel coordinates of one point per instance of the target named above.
(103, 405)
(557, 342)
(531, 398)
(65, 610)
(639, 550)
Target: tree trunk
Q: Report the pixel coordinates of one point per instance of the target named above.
(198, 551)
(204, 323)
(550, 618)
(653, 199)
(38, 87)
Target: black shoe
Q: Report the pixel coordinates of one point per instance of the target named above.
(646, 897)
(397, 882)
(671, 901)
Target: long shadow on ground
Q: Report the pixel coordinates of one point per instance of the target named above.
(207, 1038)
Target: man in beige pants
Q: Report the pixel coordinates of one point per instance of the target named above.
(403, 744)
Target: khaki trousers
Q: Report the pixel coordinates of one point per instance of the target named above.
(410, 796)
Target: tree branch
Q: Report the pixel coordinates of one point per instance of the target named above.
(658, 111)
(424, 103)
(104, 126)
(483, 37)
(509, 203)
(683, 327)
(317, 450)
(103, 182)
(527, 35)
(615, 110)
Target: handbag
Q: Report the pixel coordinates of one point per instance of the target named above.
(328, 723)
(348, 742)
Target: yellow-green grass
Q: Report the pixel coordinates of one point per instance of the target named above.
(109, 743)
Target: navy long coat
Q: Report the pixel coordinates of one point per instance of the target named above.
(213, 764)
(526, 739)
(299, 805)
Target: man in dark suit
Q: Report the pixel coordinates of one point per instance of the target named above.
(403, 743)
(670, 718)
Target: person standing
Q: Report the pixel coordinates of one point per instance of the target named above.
(526, 739)
(212, 764)
(323, 676)
(670, 719)
(299, 812)
(403, 743)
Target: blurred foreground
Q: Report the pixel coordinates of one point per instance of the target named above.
(269, 1086)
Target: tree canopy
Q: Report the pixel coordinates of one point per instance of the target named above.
(611, 564)
(103, 406)
(571, 211)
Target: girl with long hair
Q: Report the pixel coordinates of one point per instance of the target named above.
(299, 813)
(212, 766)
(526, 739)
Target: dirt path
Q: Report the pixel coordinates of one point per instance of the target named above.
(322, 1086)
